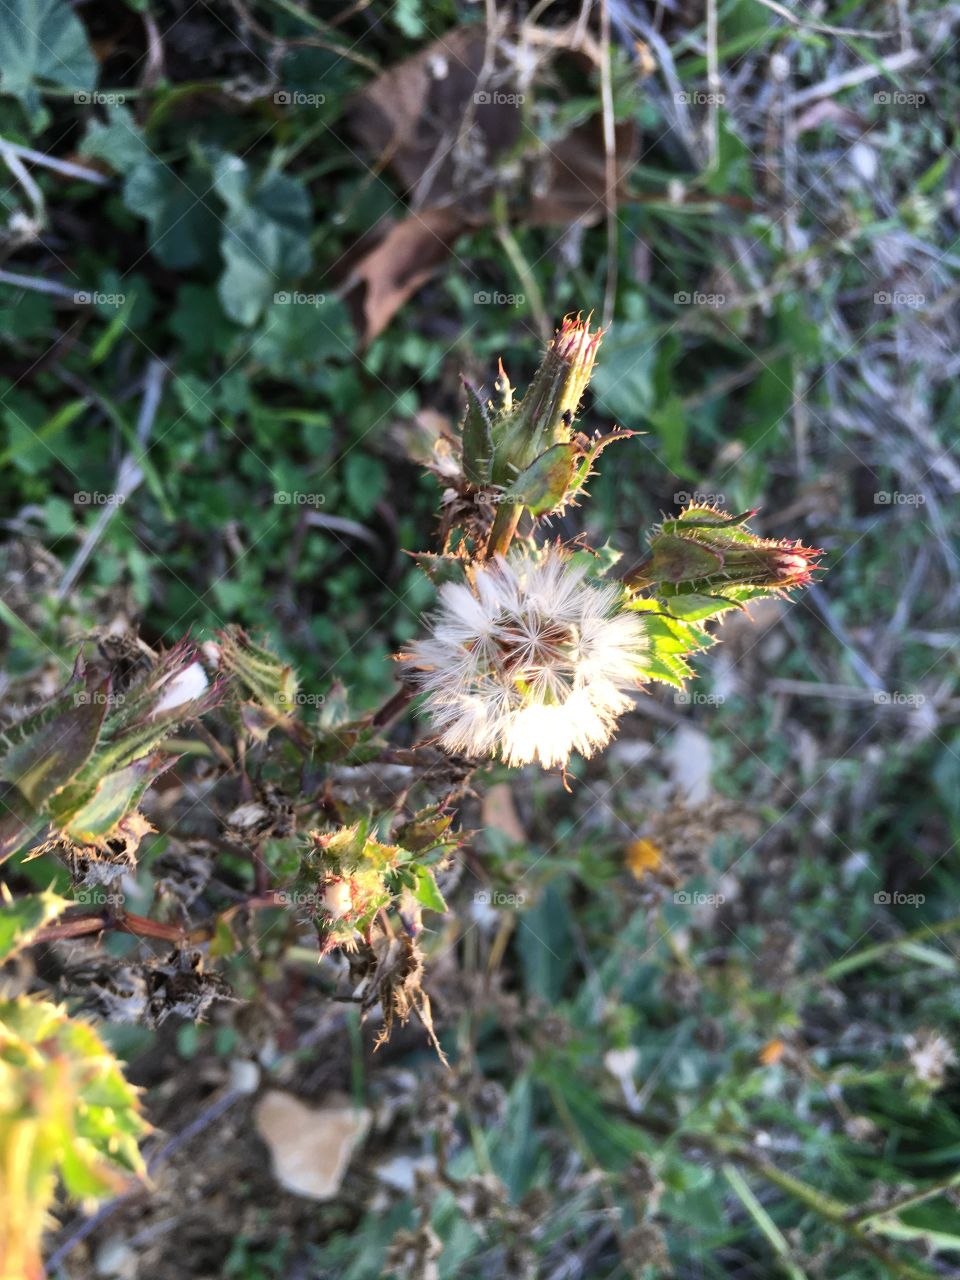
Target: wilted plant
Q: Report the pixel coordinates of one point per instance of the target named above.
(534, 652)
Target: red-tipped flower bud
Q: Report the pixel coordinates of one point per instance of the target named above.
(706, 551)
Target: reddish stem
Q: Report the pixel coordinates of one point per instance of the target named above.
(75, 927)
(395, 705)
(78, 926)
(143, 927)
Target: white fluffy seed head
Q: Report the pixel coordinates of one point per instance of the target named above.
(180, 687)
(531, 660)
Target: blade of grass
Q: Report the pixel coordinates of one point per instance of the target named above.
(108, 339)
(849, 964)
(52, 427)
(150, 474)
(763, 1220)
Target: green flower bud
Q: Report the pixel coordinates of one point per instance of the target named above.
(706, 551)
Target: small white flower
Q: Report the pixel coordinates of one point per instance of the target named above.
(621, 1063)
(337, 900)
(931, 1055)
(183, 686)
(212, 653)
(531, 660)
(246, 815)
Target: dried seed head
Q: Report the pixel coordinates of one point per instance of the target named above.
(181, 687)
(530, 660)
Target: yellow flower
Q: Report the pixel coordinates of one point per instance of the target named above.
(643, 856)
(772, 1052)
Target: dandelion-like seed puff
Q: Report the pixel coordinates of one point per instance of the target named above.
(530, 660)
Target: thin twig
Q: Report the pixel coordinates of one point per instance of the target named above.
(301, 42)
(609, 166)
(102, 922)
(37, 285)
(908, 1201)
(848, 79)
(862, 667)
(395, 706)
(522, 268)
(811, 24)
(713, 84)
(78, 926)
(66, 167)
(18, 169)
(129, 477)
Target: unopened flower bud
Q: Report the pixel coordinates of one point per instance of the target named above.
(705, 550)
(266, 679)
(546, 414)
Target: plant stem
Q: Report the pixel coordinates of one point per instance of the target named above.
(78, 926)
(504, 527)
(847, 964)
(394, 706)
(845, 1217)
(521, 266)
(143, 927)
(763, 1220)
(908, 1201)
(833, 1211)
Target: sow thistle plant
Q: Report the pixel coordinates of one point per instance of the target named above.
(535, 650)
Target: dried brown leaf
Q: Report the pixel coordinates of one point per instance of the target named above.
(405, 259)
